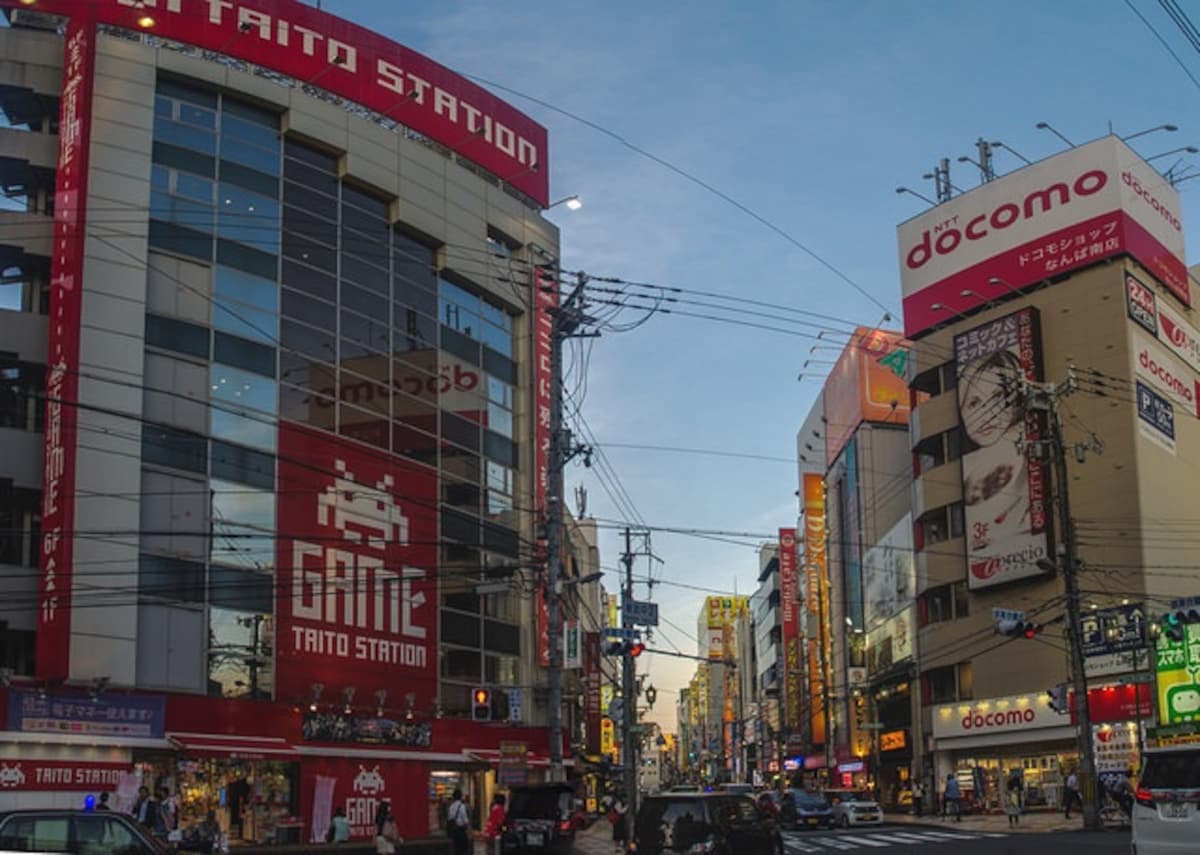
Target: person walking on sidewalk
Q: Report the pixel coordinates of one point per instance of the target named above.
(620, 823)
(1014, 797)
(918, 795)
(1072, 795)
(952, 798)
(495, 824)
(458, 824)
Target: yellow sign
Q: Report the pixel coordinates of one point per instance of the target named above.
(606, 696)
(893, 740)
(1177, 664)
(724, 611)
(607, 736)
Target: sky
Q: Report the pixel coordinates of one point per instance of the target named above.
(810, 114)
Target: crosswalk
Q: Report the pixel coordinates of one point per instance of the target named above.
(872, 840)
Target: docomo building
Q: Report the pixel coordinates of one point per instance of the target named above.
(1073, 263)
(268, 414)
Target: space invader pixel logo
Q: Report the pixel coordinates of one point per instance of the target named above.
(357, 557)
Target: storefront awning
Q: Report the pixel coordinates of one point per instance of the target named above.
(233, 747)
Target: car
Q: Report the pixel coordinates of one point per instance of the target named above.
(738, 789)
(76, 831)
(705, 824)
(812, 810)
(539, 818)
(852, 807)
(1166, 806)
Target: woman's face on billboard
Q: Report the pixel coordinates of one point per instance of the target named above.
(989, 402)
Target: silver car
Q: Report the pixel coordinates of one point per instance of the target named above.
(851, 807)
(1166, 807)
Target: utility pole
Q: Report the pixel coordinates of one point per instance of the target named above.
(629, 694)
(1046, 397)
(566, 319)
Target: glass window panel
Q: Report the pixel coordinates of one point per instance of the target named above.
(460, 527)
(164, 107)
(244, 354)
(184, 159)
(186, 212)
(501, 637)
(309, 251)
(262, 131)
(175, 238)
(497, 316)
(317, 204)
(305, 308)
(369, 393)
(176, 335)
(260, 182)
(245, 321)
(460, 319)
(300, 175)
(500, 365)
(239, 588)
(460, 628)
(306, 340)
(194, 114)
(460, 431)
(308, 225)
(460, 345)
(365, 332)
(500, 420)
(364, 425)
(461, 664)
(365, 273)
(183, 92)
(245, 288)
(168, 578)
(499, 477)
(499, 392)
(365, 302)
(244, 390)
(498, 339)
(370, 205)
(257, 116)
(498, 503)
(247, 258)
(244, 430)
(175, 448)
(243, 465)
(304, 406)
(160, 177)
(368, 227)
(249, 218)
(310, 281)
(246, 506)
(500, 448)
(239, 655)
(304, 154)
(501, 539)
(413, 331)
(184, 136)
(193, 186)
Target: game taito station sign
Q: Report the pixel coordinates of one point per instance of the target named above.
(1177, 665)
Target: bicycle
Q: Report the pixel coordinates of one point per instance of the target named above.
(1114, 814)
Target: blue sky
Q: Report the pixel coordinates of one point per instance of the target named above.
(811, 114)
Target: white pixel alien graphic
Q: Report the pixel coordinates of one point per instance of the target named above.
(11, 776)
(372, 512)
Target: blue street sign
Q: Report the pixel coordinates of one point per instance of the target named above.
(1112, 630)
(622, 633)
(643, 614)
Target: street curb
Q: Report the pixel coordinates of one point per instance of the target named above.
(969, 827)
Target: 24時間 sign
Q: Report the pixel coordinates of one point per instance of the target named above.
(1076, 208)
(325, 51)
(1004, 493)
(357, 587)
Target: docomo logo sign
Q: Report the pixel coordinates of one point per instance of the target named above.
(950, 237)
(1150, 199)
(1004, 719)
(1167, 379)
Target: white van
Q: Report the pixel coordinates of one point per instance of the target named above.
(1166, 809)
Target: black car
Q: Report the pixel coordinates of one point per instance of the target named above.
(75, 831)
(539, 818)
(705, 824)
(812, 811)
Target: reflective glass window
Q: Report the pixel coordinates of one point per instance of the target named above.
(244, 354)
(248, 218)
(243, 465)
(243, 525)
(240, 654)
(498, 339)
(245, 288)
(500, 420)
(245, 321)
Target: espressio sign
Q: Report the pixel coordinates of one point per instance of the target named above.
(325, 51)
(1073, 209)
(994, 715)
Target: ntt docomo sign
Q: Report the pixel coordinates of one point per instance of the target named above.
(994, 715)
(312, 46)
(1068, 211)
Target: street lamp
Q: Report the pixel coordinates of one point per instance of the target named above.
(915, 193)
(572, 202)
(1190, 149)
(1167, 128)
(1010, 150)
(1046, 126)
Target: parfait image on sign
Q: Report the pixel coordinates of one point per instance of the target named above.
(1004, 512)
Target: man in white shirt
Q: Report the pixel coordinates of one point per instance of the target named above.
(458, 822)
(1072, 794)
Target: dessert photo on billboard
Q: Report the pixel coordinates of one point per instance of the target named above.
(1004, 495)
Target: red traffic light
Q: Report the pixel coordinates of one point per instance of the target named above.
(636, 648)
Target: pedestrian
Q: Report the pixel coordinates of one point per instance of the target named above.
(1072, 794)
(495, 822)
(145, 810)
(103, 802)
(1014, 797)
(386, 833)
(458, 824)
(339, 826)
(918, 795)
(951, 798)
(620, 823)
(168, 809)
(1123, 793)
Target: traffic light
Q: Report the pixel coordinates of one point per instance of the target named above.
(1019, 628)
(623, 648)
(481, 705)
(1058, 699)
(1174, 625)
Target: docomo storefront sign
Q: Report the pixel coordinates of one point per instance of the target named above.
(318, 48)
(994, 715)
(1067, 211)
(1154, 364)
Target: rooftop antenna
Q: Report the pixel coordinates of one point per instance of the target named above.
(941, 180)
(581, 501)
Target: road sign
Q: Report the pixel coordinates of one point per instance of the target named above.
(622, 633)
(1112, 630)
(1185, 603)
(1008, 615)
(643, 614)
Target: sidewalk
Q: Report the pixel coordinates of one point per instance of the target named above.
(1039, 822)
(596, 840)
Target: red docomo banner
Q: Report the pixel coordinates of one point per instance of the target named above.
(21, 775)
(1068, 211)
(357, 555)
(62, 380)
(1117, 703)
(333, 54)
(545, 301)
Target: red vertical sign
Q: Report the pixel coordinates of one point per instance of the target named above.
(357, 592)
(591, 665)
(789, 595)
(62, 380)
(545, 301)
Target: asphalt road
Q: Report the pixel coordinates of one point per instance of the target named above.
(903, 840)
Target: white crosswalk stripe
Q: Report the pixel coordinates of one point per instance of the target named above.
(833, 843)
(864, 841)
(950, 835)
(807, 845)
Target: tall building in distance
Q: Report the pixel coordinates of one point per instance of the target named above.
(270, 463)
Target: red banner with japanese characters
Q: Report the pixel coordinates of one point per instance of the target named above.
(62, 379)
(357, 597)
(24, 775)
(789, 596)
(545, 301)
(592, 678)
